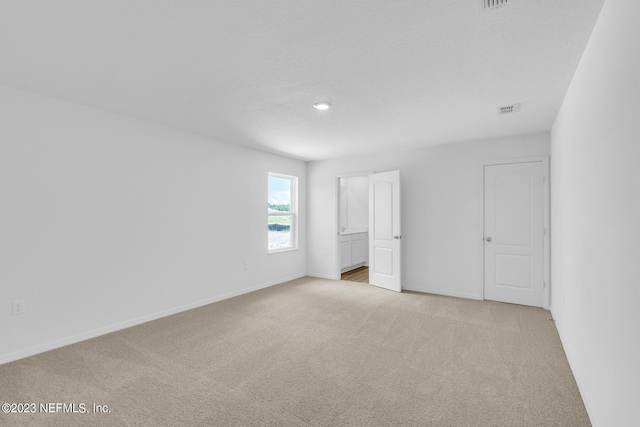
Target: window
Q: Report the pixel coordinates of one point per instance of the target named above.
(282, 220)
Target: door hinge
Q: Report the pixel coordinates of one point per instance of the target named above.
(544, 285)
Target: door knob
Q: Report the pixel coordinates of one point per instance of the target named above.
(488, 239)
(397, 237)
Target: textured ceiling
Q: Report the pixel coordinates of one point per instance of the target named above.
(400, 74)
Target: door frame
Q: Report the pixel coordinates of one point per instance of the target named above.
(336, 223)
(546, 256)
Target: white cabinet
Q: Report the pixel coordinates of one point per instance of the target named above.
(354, 250)
(345, 251)
(359, 248)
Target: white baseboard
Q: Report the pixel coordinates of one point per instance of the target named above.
(571, 359)
(353, 267)
(321, 276)
(442, 292)
(31, 351)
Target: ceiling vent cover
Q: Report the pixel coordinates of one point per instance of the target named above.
(492, 4)
(508, 109)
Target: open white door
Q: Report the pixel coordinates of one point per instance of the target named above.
(384, 230)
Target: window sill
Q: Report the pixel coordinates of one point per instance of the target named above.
(275, 251)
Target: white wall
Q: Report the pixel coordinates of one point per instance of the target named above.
(354, 202)
(344, 203)
(106, 221)
(440, 210)
(358, 202)
(596, 219)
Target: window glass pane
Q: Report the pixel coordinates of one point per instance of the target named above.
(279, 194)
(282, 212)
(279, 232)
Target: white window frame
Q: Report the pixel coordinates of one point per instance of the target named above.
(293, 213)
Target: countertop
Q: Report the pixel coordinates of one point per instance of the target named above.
(346, 232)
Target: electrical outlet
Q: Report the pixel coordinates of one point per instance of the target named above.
(246, 265)
(18, 307)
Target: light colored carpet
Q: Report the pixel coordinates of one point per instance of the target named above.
(312, 352)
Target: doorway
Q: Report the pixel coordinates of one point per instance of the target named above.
(375, 242)
(515, 224)
(352, 227)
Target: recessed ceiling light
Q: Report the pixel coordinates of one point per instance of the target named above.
(322, 105)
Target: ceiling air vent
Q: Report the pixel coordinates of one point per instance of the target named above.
(508, 109)
(491, 4)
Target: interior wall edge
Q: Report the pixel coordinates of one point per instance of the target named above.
(108, 221)
(571, 360)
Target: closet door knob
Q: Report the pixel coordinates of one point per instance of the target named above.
(488, 239)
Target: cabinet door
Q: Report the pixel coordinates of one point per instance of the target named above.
(359, 249)
(345, 254)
